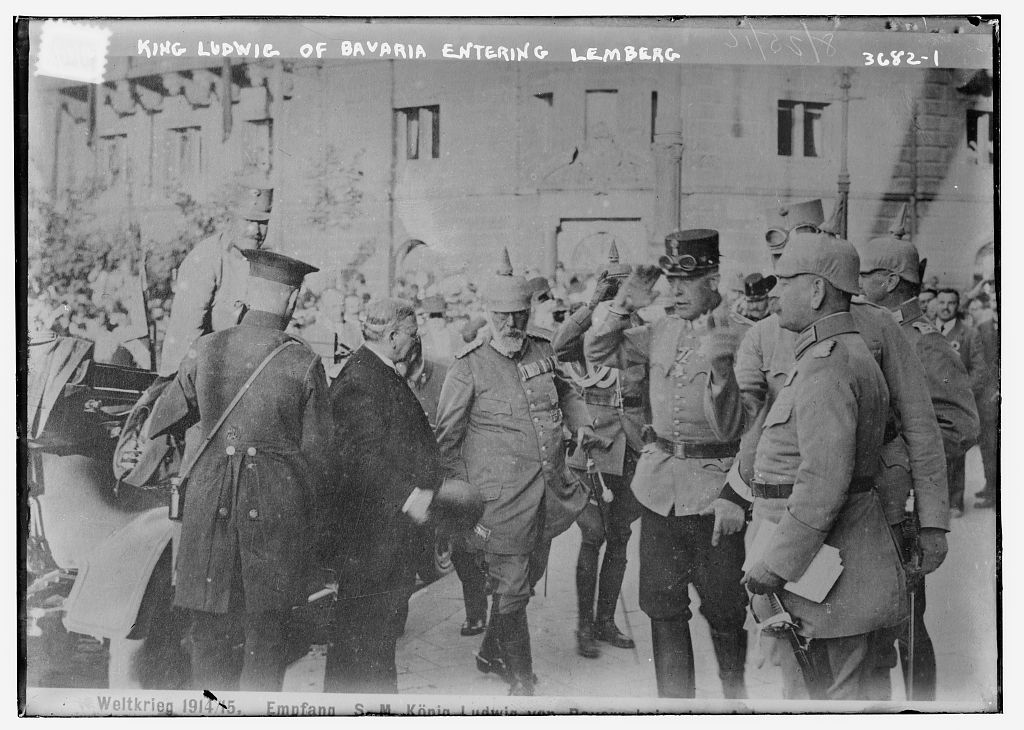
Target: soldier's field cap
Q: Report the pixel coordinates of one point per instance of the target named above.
(690, 253)
(540, 288)
(756, 286)
(506, 292)
(277, 267)
(434, 304)
(892, 254)
(256, 199)
(833, 259)
(782, 220)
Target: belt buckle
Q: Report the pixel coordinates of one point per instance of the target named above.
(679, 450)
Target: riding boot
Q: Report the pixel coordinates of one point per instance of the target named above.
(586, 583)
(673, 658)
(731, 652)
(489, 658)
(515, 642)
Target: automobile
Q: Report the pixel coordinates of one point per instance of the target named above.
(106, 570)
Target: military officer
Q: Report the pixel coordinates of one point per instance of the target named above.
(616, 399)
(890, 277)
(755, 302)
(257, 489)
(499, 425)
(819, 450)
(697, 417)
(211, 280)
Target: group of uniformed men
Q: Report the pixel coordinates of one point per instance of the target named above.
(830, 422)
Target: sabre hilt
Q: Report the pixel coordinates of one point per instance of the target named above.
(597, 480)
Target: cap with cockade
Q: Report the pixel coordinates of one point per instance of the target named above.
(690, 253)
(277, 267)
(504, 291)
(783, 220)
(833, 259)
(615, 269)
(256, 199)
(540, 288)
(893, 252)
(756, 286)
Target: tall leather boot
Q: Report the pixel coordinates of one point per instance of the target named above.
(731, 652)
(586, 580)
(673, 658)
(515, 642)
(490, 658)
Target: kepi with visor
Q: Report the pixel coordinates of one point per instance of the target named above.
(690, 253)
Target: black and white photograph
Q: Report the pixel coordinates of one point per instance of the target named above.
(460, 365)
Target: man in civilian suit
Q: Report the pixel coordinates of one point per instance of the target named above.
(388, 468)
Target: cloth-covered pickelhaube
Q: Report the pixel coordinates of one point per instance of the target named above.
(256, 199)
(690, 253)
(893, 252)
(505, 291)
(615, 269)
(783, 220)
(830, 257)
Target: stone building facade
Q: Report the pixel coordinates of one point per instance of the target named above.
(552, 160)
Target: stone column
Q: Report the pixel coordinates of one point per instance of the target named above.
(668, 154)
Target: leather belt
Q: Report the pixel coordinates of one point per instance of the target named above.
(698, 451)
(628, 401)
(782, 491)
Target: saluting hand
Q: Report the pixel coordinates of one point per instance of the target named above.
(606, 289)
(638, 290)
(729, 518)
(760, 580)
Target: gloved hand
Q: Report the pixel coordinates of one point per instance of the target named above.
(729, 518)
(638, 290)
(933, 548)
(760, 580)
(586, 438)
(720, 349)
(606, 289)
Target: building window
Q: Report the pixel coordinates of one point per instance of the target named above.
(184, 156)
(981, 136)
(112, 157)
(419, 131)
(600, 113)
(257, 146)
(800, 128)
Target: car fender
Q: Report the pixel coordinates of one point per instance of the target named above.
(110, 586)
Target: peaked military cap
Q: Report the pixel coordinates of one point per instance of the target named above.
(783, 220)
(690, 253)
(756, 286)
(277, 267)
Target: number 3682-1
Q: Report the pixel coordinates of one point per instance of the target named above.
(895, 58)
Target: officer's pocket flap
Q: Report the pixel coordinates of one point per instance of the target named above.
(894, 454)
(779, 413)
(494, 405)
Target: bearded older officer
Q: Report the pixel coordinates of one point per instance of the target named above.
(819, 450)
(257, 488)
(499, 426)
(697, 414)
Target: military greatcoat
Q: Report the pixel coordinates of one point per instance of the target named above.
(258, 488)
(822, 436)
(208, 298)
(499, 426)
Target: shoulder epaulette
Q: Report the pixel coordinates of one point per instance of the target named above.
(923, 327)
(823, 349)
(469, 348)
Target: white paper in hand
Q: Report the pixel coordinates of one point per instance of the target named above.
(817, 580)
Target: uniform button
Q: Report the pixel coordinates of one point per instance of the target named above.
(535, 418)
(209, 580)
(676, 421)
(544, 462)
(230, 451)
(222, 511)
(253, 514)
(529, 391)
(251, 451)
(675, 433)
